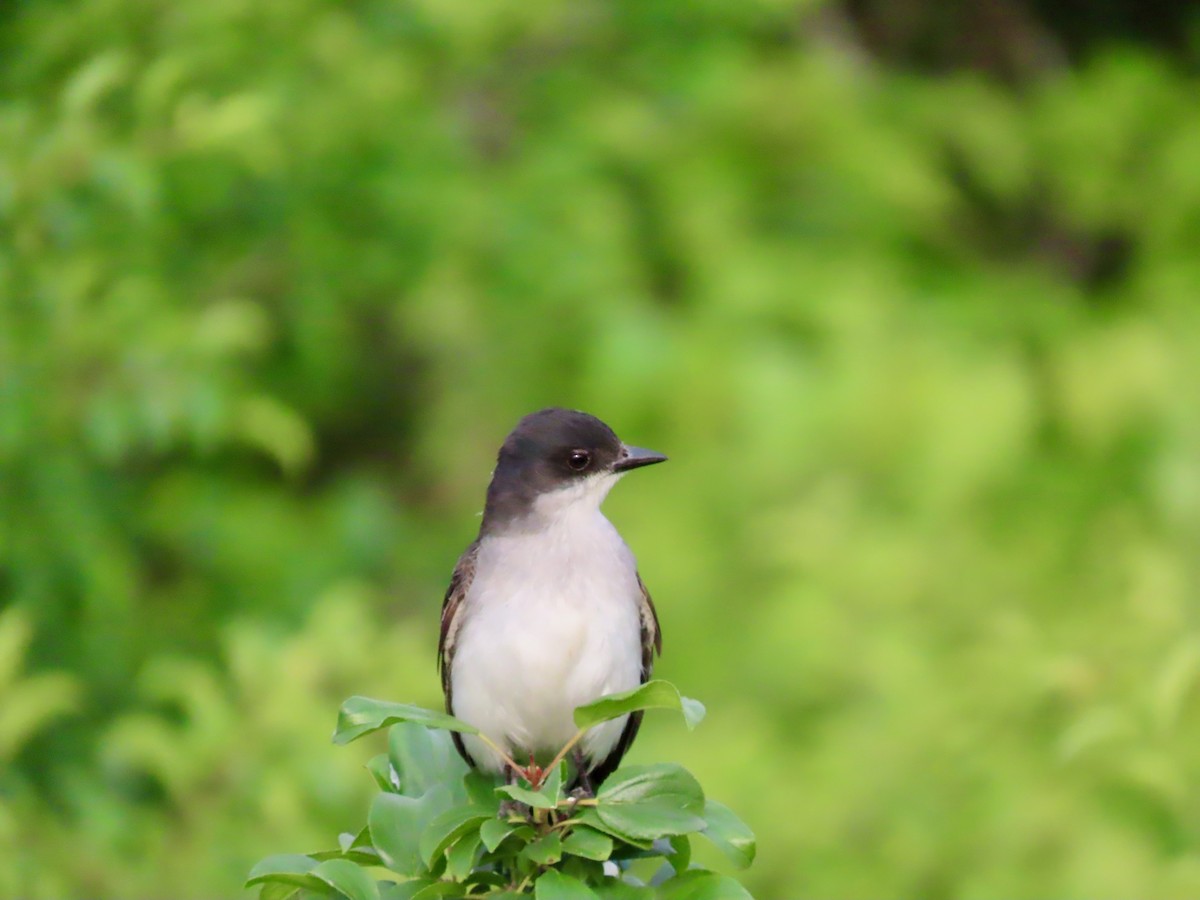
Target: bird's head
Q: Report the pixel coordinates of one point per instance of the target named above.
(557, 460)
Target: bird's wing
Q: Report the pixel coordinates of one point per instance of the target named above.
(651, 635)
(453, 608)
(651, 644)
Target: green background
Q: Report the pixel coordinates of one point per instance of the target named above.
(907, 292)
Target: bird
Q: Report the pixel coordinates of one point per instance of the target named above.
(546, 610)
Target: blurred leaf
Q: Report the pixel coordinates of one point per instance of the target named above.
(729, 833)
(1094, 729)
(656, 694)
(28, 705)
(15, 634)
(1177, 680)
(279, 432)
(698, 884)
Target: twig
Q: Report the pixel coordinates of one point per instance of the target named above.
(562, 754)
(520, 770)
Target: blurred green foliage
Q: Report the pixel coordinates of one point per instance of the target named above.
(922, 342)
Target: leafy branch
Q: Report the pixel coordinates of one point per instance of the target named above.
(440, 830)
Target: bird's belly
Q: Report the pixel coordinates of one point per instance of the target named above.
(527, 657)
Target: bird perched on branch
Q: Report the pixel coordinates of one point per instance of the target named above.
(546, 611)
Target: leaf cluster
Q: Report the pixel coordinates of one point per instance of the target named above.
(440, 830)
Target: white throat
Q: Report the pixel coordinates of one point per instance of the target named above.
(573, 505)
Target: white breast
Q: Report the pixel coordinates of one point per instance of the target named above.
(551, 622)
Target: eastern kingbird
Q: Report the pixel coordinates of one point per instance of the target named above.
(546, 611)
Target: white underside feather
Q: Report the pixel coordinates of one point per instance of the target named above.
(551, 622)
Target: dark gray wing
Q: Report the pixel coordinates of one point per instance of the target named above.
(651, 644)
(453, 609)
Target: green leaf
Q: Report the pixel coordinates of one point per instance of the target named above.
(591, 818)
(680, 856)
(287, 868)
(552, 786)
(647, 802)
(446, 828)
(277, 890)
(554, 885)
(354, 847)
(347, 878)
(422, 889)
(548, 796)
(396, 824)
(616, 889)
(405, 890)
(588, 843)
(494, 831)
(489, 881)
(281, 864)
(440, 889)
(656, 694)
(536, 799)
(362, 715)
(360, 841)
(729, 833)
(480, 790)
(546, 850)
(363, 856)
(386, 778)
(589, 871)
(460, 859)
(423, 757)
(699, 884)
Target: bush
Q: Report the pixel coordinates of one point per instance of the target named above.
(450, 832)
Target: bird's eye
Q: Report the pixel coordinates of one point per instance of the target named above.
(578, 459)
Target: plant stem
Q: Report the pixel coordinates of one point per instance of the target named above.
(562, 754)
(520, 770)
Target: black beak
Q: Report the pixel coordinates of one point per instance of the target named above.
(634, 457)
